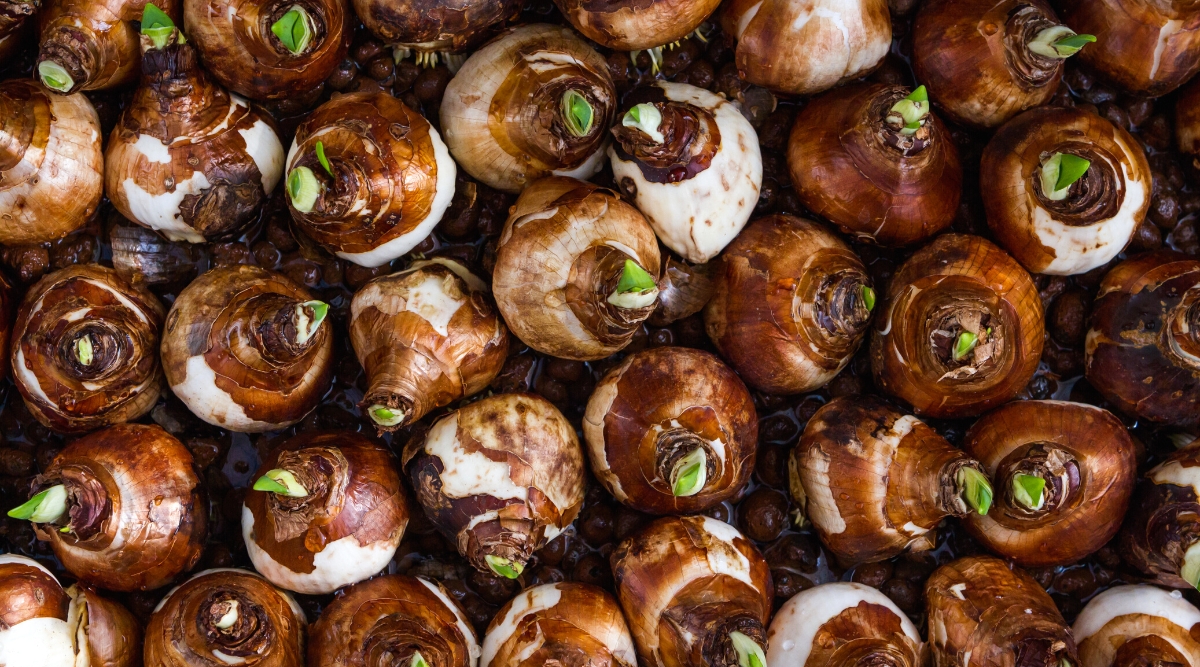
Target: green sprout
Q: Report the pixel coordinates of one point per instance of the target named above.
(868, 297)
(281, 482)
(690, 473)
(385, 416)
(294, 29)
(306, 327)
(577, 113)
(49, 506)
(635, 288)
(1059, 42)
(963, 345)
(750, 654)
(1027, 490)
(84, 351)
(55, 76)
(647, 118)
(910, 111)
(303, 189)
(975, 489)
(322, 159)
(157, 26)
(1060, 172)
(418, 660)
(1190, 570)
(504, 567)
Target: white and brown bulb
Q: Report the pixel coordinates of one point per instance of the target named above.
(564, 623)
(1130, 626)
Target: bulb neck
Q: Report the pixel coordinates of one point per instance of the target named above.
(1043, 480)
(234, 626)
(284, 328)
(91, 350)
(684, 461)
(68, 59)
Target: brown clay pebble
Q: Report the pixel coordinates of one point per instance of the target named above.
(762, 515)
(1068, 317)
(873, 574)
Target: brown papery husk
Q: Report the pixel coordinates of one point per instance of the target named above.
(957, 270)
(1162, 522)
(28, 591)
(764, 316)
(873, 481)
(129, 317)
(558, 232)
(203, 130)
(543, 456)
(502, 112)
(1133, 351)
(1090, 514)
(359, 496)
(392, 613)
(97, 41)
(106, 630)
(410, 364)
(211, 317)
(964, 52)
(1138, 625)
(684, 290)
(234, 37)
(144, 516)
(662, 390)
(1147, 47)
(668, 588)
(435, 25)
(1010, 180)
(856, 628)
(584, 627)
(50, 163)
(780, 48)
(13, 17)
(629, 25)
(847, 167)
(269, 632)
(375, 145)
(983, 614)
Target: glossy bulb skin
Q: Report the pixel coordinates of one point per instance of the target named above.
(1126, 626)
(1161, 526)
(561, 623)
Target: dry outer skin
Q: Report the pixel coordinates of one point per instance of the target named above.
(684, 584)
(1088, 461)
(268, 632)
(1143, 344)
(874, 481)
(559, 259)
(805, 48)
(137, 513)
(654, 409)
(972, 55)
(1164, 518)
(97, 43)
(502, 113)
(1102, 210)
(234, 37)
(450, 25)
(559, 624)
(122, 323)
(51, 165)
(112, 636)
(982, 614)
(427, 337)
(1148, 47)
(629, 25)
(188, 159)
(354, 492)
(851, 167)
(1132, 626)
(216, 328)
(787, 311)
(383, 621)
(969, 285)
(501, 476)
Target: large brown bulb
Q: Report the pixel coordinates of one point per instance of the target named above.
(242, 51)
(630, 25)
(876, 482)
(1147, 47)
(51, 166)
(975, 57)
(1161, 533)
(247, 349)
(1063, 474)
(1057, 232)
(226, 616)
(85, 349)
(855, 167)
(387, 621)
(335, 516)
(132, 515)
(983, 614)
(564, 623)
(426, 336)
(1136, 626)
(671, 430)
(791, 304)
(961, 329)
(1150, 374)
(434, 25)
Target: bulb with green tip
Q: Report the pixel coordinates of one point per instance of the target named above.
(908, 113)
(635, 288)
(303, 189)
(294, 30)
(868, 297)
(1028, 491)
(229, 618)
(84, 350)
(963, 345)
(157, 26)
(49, 506)
(320, 151)
(749, 653)
(385, 416)
(577, 113)
(1059, 172)
(418, 660)
(1059, 42)
(55, 76)
(975, 489)
(690, 473)
(306, 325)
(281, 482)
(647, 118)
(504, 567)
